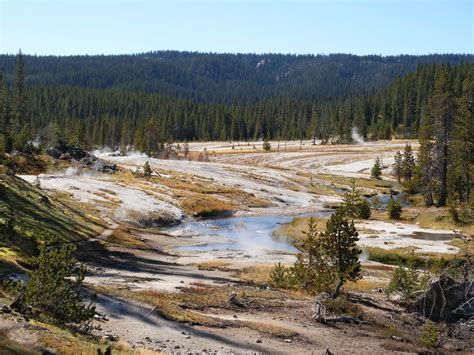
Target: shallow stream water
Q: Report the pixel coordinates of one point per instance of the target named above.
(251, 234)
(254, 235)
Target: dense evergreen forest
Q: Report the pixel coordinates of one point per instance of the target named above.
(157, 97)
(224, 78)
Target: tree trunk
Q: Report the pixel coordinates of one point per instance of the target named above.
(338, 289)
(443, 177)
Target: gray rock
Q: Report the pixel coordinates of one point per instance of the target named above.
(65, 156)
(6, 309)
(53, 152)
(77, 153)
(446, 299)
(112, 337)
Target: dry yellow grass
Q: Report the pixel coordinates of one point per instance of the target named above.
(213, 265)
(123, 236)
(178, 306)
(375, 184)
(67, 343)
(364, 285)
(189, 304)
(258, 274)
(88, 210)
(427, 217)
(270, 329)
(206, 206)
(295, 230)
(195, 195)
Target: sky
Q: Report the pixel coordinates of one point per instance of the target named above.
(387, 27)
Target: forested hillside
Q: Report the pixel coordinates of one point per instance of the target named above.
(225, 78)
(146, 100)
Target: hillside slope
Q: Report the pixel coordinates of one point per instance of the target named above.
(35, 216)
(225, 78)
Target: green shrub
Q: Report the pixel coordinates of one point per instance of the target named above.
(266, 145)
(342, 305)
(363, 209)
(410, 186)
(52, 291)
(429, 336)
(327, 260)
(394, 209)
(408, 280)
(376, 171)
(279, 276)
(354, 205)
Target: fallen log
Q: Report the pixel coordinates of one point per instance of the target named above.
(232, 300)
(319, 314)
(341, 319)
(154, 309)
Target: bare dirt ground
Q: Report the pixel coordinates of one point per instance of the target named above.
(291, 181)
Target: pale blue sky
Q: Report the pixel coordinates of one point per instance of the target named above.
(260, 26)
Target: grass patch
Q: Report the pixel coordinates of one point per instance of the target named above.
(296, 228)
(181, 306)
(123, 237)
(270, 329)
(258, 274)
(10, 261)
(402, 256)
(374, 184)
(213, 265)
(39, 215)
(68, 343)
(461, 245)
(364, 285)
(188, 305)
(439, 218)
(206, 206)
(10, 347)
(324, 189)
(342, 305)
(426, 217)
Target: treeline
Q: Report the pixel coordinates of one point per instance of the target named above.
(444, 166)
(120, 117)
(398, 109)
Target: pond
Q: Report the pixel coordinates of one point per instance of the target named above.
(251, 234)
(432, 236)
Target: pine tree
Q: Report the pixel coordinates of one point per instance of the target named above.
(354, 205)
(394, 209)
(3, 105)
(52, 291)
(339, 246)
(425, 171)
(397, 166)
(19, 96)
(441, 113)
(266, 145)
(461, 149)
(312, 270)
(408, 163)
(376, 171)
